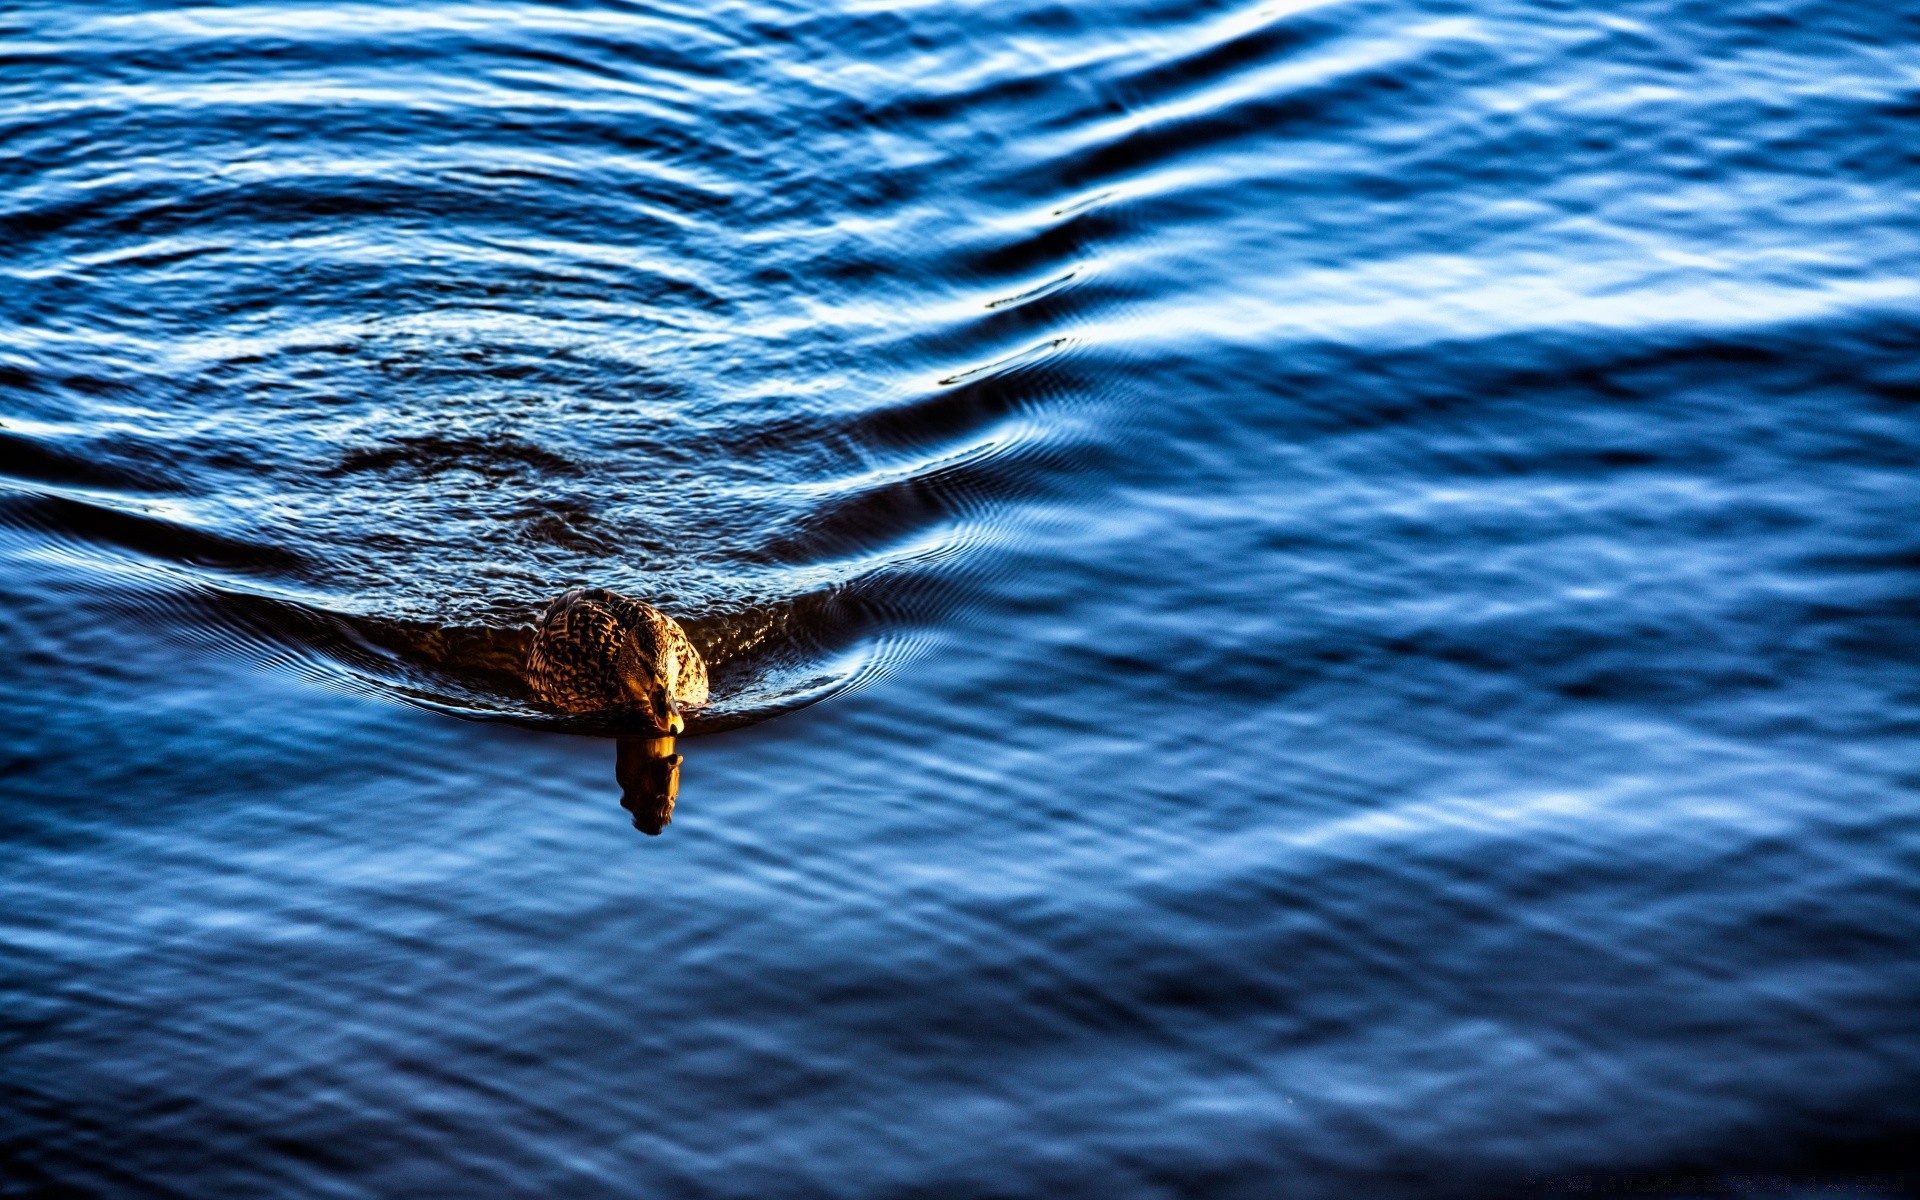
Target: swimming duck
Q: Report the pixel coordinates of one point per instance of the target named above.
(598, 651)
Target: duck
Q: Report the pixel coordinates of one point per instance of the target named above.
(597, 651)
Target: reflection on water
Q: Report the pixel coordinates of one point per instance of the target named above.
(649, 774)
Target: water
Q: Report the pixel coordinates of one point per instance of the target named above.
(1335, 584)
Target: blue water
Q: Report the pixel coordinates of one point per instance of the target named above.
(1307, 600)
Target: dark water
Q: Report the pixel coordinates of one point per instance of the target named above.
(1363, 562)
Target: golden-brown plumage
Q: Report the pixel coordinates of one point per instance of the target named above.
(597, 651)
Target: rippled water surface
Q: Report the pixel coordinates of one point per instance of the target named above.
(1306, 600)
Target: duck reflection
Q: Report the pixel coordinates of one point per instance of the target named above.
(649, 775)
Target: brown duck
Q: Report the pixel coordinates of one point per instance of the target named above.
(596, 651)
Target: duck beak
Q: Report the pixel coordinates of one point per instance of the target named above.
(664, 709)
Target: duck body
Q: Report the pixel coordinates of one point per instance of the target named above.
(596, 651)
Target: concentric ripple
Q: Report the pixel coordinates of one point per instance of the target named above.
(410, 339)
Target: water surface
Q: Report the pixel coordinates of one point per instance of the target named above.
(1309, 599)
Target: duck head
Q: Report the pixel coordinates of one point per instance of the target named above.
(653, 687)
